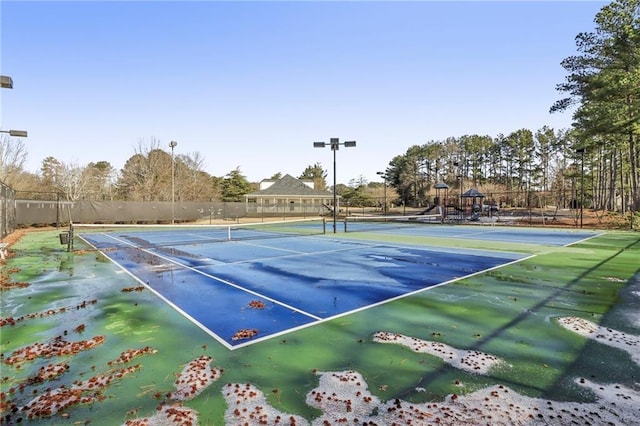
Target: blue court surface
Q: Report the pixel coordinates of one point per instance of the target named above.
(271, 286)
(553, 237)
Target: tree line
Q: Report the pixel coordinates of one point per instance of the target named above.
(146, 176)
(150, 174)
(603, 87)
(597, 160)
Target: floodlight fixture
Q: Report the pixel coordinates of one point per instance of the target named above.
(16, 133)
(6, 82)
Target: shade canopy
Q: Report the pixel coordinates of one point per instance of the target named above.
(473, 193)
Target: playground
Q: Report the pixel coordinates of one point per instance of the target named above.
(406, 324)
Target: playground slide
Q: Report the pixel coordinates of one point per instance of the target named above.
(426, 211)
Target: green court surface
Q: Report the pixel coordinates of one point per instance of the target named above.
(509, 312)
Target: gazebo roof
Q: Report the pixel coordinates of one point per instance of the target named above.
(473, 193)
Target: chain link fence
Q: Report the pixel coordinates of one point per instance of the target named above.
(544, 207)
(7, 210)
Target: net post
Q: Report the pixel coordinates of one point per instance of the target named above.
(324, 225)
(345, 224)
(70, 237)
(228, 233)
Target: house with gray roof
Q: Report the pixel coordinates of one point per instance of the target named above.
(288, 195)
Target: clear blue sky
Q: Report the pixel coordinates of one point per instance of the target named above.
(254, 84)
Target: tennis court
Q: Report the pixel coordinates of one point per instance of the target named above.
(244, 284)
(321, 305)
(426, 225)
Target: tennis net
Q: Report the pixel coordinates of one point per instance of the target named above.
(149, 236)
(381, 223)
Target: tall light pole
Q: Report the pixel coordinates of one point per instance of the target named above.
(384, 176)
(173, 144)
(581, 152)
(334, 144)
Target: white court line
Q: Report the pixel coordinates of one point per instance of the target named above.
(496, 231)
(293, 254)
(213, 277)
(584, 239)
(167, 301)
(382, 302)
(205, 237)
(318, 320)
(493, 230)
(469, 234)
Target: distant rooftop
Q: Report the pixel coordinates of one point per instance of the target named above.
(289, 186)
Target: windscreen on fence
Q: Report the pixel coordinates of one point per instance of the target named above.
(59, 211)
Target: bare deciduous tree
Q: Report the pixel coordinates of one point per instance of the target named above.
(146, 176)
(13, 155)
